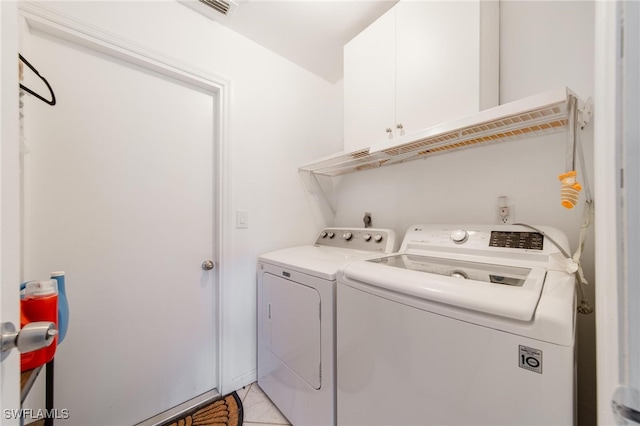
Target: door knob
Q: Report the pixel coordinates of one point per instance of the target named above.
(207, 265)
(31, 337)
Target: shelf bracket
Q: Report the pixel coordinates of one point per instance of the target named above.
(585, 112)
(313, 185)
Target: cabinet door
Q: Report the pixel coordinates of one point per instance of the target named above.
(437, 62)
(369, 84)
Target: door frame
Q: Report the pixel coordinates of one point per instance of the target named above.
(9, 208)
(607, 188)
(51, 22)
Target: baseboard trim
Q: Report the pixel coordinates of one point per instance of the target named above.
(180, 409)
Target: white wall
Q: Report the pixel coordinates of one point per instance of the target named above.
(281, 116)
(543, 45)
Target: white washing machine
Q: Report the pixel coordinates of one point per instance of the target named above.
(296, 320)
(471, 326)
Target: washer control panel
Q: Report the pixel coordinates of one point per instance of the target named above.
(369, 239)
(527, 240)
(488, 238)
(519, 240)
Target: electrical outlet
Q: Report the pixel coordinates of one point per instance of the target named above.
(506, 215)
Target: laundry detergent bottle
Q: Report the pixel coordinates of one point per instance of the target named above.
(38, 302)
(63, 305)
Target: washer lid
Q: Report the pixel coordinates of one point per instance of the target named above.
(489, 273)
(507, 291)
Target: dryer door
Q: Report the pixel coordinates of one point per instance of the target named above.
(291, 326)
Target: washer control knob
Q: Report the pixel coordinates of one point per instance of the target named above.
(367, 237)
(323, 234)
(331, 235)
(377, 238)
(347, 236)
(459, 274)
(459, 236)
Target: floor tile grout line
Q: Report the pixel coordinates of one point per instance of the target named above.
(271, 404)
(247, 392)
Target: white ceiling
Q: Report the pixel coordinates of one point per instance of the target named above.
(310, 33)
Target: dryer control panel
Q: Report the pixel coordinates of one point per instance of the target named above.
(368, 239)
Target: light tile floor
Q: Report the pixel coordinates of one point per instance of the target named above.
(258, 408)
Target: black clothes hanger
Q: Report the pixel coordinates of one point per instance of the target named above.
(26, 89)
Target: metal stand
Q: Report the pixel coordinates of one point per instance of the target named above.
(49, 393)
(28, 378)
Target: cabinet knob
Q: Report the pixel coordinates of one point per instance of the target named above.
(389, 130)
(399, 126)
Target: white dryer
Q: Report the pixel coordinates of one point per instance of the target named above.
(296, 320)
(471, 326)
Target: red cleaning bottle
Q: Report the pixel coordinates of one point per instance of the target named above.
(39, 302)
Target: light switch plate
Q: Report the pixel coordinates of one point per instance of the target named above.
(242, 219)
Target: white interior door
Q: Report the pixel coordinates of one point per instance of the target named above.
(9, 209)
(119, 193)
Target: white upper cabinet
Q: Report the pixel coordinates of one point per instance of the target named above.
(421, 64)
(369, 83)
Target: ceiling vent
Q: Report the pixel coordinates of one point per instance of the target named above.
(219, 10)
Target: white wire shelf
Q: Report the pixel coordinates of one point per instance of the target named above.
(537, 115)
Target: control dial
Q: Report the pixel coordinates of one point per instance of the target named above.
(331, 235)
(459, 274)
(459, 236)
(377, 238)
(367, 237)
(347, 236)
(323, 234)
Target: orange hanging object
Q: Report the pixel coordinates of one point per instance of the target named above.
(570, 189)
